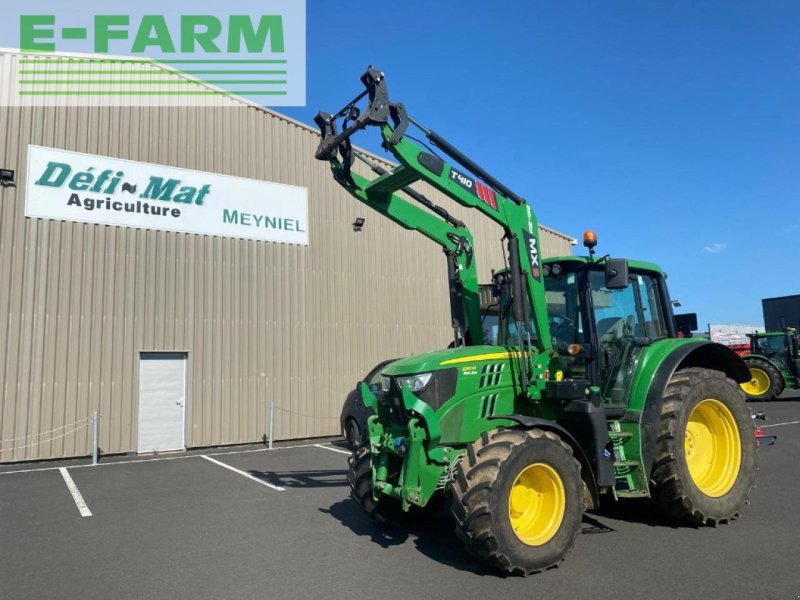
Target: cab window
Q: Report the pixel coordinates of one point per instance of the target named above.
(565, 321)
(773, 345)
(654, 324)
(623, 318)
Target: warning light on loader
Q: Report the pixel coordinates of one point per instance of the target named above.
(589, 239)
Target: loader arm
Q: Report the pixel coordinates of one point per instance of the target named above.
(515, 217)
(459, 178)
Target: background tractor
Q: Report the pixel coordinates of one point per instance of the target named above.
(774, 363)
(579, 387)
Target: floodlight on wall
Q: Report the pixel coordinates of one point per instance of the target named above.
(6, 176)
(676, 303)
(358, 224)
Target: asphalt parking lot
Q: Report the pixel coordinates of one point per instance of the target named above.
(279, 524)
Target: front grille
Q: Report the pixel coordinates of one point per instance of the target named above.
(392, 400)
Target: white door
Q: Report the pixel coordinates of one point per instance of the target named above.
(162, 400)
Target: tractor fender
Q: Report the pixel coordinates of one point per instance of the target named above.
(709, 355)
(587, 473)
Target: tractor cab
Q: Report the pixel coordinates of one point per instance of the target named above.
(781, 347)
(603, 313)
(600, 331)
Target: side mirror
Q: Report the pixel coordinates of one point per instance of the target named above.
(616, 274)
(686, 323)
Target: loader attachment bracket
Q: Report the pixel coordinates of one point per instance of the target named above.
(378, 111)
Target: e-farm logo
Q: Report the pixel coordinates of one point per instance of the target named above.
(158, 56)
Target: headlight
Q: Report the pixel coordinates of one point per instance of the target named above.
(415, 383)
(386, 383)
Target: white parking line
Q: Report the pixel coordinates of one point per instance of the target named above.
(779, 424)
(332, 449)
(243, 474)
(142, 461)
(76, 494)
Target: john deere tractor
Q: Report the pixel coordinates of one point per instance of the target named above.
(578, 389)
(774, 363)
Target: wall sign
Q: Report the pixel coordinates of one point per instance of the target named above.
(72, 186)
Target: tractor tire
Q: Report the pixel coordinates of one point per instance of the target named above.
(518, 500)
(705, 457)
(385, 511)
(353, 434)
(766, 383)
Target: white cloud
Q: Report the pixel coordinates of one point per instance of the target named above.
(715, 248)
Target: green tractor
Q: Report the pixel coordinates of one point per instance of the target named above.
(573, 388)
(774, 363)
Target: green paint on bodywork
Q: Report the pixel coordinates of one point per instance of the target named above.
(639, 265)
(651, 359)
(452, 357)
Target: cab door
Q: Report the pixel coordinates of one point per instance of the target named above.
(625, 321)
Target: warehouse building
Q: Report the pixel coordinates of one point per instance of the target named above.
(781, 312)
(178, 330)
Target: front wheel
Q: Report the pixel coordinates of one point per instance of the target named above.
(353, 434)
(359, 476)
(705, 459)
(765, 381)
(518, 500)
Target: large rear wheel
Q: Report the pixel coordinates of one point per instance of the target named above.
(705, 458)
(518, 500)
(765, 381)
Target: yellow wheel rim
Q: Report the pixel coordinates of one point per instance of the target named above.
(536, 504)
(713, 448)
(758, 384)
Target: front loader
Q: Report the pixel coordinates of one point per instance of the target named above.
(583, 389)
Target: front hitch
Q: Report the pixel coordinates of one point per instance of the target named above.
(406, 463)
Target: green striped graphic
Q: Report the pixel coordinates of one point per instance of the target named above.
(98, 73)
(150, 93)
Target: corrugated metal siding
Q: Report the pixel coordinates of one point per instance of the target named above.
(261, 322)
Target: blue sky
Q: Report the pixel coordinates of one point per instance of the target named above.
(671, 128)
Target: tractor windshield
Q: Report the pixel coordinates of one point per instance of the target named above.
(770, 345)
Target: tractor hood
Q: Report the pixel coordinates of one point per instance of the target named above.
(448, 358)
